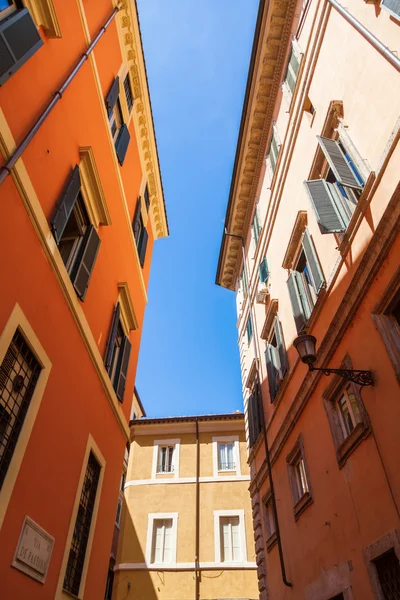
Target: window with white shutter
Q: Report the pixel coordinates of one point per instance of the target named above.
(273, 149)
(230, 539)
(292, 71)
(226, 460)
(162, 541)
(393, 7)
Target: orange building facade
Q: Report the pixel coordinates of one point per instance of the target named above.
(311, 247)
(82, 204)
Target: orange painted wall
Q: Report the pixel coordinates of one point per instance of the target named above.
(74, 402)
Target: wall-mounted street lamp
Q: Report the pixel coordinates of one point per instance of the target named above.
(305, 346)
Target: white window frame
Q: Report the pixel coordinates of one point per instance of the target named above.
(150, 533)
(217, 536)
(175, 459)
(226, 439)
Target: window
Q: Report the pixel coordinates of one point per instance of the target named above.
(388, 570)
(140, 232)
(276, 359)
(249, 330)
(386, 316)
(255, 226)
(392, 6)
(119, 512)
(119, 129)
(230, 540)
(128, 92)
(80, 537)
(161, 538)
(269, 520)
(244, 283)
(226, 461)
(110, 580)
(305, 282)
(147, 197)
(263, 271)
(19, 38)
(165, 462)
(273, 149)
(346, 414)
(76, 238)
(335, 197)
(298, 478)
(19, 373)
(292, 70)
(117, 354)
(255, 414)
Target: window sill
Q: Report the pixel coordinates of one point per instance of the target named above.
(226, 471)
(302, 504)
(359, 433)
(271, 541)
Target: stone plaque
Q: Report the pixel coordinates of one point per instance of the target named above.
(34, 549)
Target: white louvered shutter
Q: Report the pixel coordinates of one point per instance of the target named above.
(229, 456)
(226, 550)
(167, 558)
(392, 6)
(236, 552)
(158, 542)
(338, 162)
(327, 207)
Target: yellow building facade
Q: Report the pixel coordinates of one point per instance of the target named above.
(186, 529)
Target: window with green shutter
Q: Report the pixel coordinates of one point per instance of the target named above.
(273, 150)
(334, 198)
(293, 67)
(244, 284)
(256, 227)
(77, 239)
(255, 414)
(276, 359)
(249, 330)
(263, 270)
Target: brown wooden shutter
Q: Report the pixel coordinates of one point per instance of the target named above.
(112, 97)
(66, 204)
(85, 264)
(120, 380)
(121, 145)
(112, 337)
(143, 246)
(19, 40)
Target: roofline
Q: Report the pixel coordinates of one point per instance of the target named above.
(250, 74)
(237, 416)
(139, 401)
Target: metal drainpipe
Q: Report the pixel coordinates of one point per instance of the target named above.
(197, 542)
(388, 54)
(5, 170)
(267, 455)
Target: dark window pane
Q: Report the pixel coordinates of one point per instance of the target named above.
(396, 312)
(388, 568)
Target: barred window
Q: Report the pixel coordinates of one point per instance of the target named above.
(80, 537)
(19, 373)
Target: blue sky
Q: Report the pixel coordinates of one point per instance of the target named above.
(197, 55)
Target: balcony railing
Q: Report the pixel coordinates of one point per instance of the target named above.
(165, 468)
(226, 466)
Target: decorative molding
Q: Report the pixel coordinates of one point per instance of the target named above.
(44, 15)
(299, 228)
(264, 86)
(181, 480)
(252, 373)
(128, 317)
(95, 199)
(189, 566)
(131, 44)
(269, 318)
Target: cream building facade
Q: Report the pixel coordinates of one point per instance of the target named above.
(186, 528)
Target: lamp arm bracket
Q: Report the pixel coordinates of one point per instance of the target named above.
(362, 378)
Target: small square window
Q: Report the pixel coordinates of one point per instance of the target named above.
(298, 478)
(165, 462)
(226, 456)
(347, 417)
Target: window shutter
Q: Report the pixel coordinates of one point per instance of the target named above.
(120, 381)
(263, 269)
(236, 552)
(158, 542)
(66, 204)
(136, 223)
(112, 337)
(328, 210)
(297, 305)
(393, 6)
(84, 267)
(112, 97)
(272, 372)
(250, 419)
(226, 541)
(338, 163)
(147, 197)
(19, 40)
(167, 558)
(313, 262)
(121, 145)
(283, 359)
(143, 245)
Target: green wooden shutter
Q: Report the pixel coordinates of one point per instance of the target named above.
(283, 359)
(19, 40)
(120, 380)
(143, 245)
(328, 210)
(137, 223)
(249, 330)
(66, 204)
(392, 6)
(299, 314)
(338, 162)
(112, 97)
(121, 145)
(313, 262)
(112, 336)
(272, 372)
(85, 264)
(263, 269)
(250, 419)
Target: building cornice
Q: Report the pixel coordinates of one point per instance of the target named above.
(131, 42)
(270, 45)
